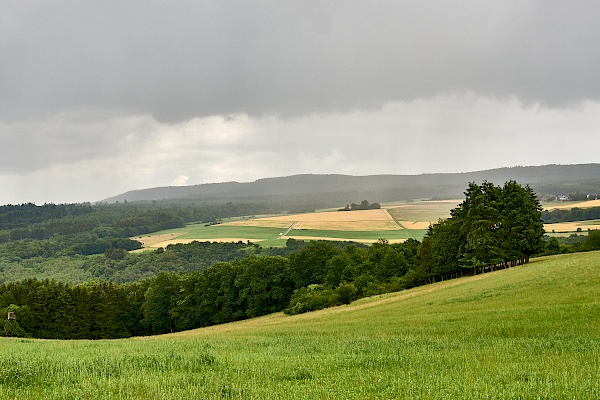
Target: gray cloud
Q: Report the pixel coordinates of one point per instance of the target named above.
(192, 59)
(451, 133)
(100, 98)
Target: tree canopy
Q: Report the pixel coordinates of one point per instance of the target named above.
(493, 226)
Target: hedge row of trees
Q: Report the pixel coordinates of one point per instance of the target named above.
(569, 215)
(364, 205)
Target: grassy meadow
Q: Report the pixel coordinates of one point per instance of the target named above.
(528, 332)
(358, 236)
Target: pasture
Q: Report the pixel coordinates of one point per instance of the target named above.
(528, 332)
(421, 212)
(267, 236)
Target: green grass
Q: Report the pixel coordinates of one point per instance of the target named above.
(198, 231)
(529, 332)
(367, 235)
(269, 237)
(429, 211)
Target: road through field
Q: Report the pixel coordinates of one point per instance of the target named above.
(288, 230)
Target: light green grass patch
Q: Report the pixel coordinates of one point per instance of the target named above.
(356, 235)
(424, 211)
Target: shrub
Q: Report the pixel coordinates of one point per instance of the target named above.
(311, 298)
(346, 293)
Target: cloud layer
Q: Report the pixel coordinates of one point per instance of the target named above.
(105, 97)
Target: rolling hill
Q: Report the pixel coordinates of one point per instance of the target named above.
(527, 332)
(333, 190)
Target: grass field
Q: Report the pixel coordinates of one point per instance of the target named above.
(366, 236)
(268, 236)
(422, 211)
(529, 332)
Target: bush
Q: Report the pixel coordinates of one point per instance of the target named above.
(311, 298)
(413, 279)
(346, 293)
(593, 240)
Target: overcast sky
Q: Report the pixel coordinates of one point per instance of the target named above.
(98, 98)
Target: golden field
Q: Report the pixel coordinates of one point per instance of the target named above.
(569, 205)
(359, 220)
(572, 226)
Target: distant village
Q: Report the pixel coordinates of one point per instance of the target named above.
(577, 196)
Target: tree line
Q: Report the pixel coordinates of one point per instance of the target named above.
(226, 291)
(199, 284)
(570, 215)
(364, 205)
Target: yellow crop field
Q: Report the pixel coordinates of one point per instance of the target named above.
(572, 226)
(359, 220)
(569, 205)
(156, 240)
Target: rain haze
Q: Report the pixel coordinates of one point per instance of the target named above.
(98, 98)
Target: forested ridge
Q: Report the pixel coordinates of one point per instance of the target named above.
(192, 285)
(332, 190)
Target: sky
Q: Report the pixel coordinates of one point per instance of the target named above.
(98, 98)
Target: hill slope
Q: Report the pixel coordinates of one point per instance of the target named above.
(528, 332)
(333, 189)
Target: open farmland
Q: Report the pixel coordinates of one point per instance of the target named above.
(527, 332)
(572, 227)
(568, 228)
(359, 220)
(395, 223)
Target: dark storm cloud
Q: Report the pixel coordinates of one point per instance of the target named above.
(178, 60)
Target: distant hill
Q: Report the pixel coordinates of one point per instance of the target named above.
(333, 190)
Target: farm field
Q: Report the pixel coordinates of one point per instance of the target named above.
(357, 236)
(421, 212)
(395, 223)
(572, 204)
(214, 233)
(568, 228)
(572, 227)
(528, 332)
